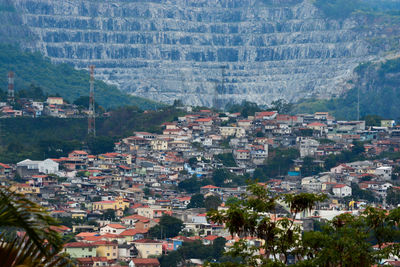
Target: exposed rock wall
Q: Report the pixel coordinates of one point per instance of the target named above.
(200, 50)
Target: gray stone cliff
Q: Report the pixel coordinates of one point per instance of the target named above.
(200, 50)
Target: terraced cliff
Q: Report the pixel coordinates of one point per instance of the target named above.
(197, 51)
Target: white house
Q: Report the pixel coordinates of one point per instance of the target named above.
(384, 172)
(112, 228)
(308, 147)
(47, 166)
(341, 190)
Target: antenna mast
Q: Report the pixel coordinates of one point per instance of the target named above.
(91, 115)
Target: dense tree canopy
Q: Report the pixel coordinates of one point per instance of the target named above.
(347, 240)
(168, 227)
(196, 201)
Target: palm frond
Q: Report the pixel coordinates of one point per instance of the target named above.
(18, 212)
(24, 252)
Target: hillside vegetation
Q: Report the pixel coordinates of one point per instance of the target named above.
(62, 79)
(49, 137)
(341, 9)
(379, 94)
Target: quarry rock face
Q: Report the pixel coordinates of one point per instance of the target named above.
(204, 52)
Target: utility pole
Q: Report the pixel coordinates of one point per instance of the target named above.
(92, 114)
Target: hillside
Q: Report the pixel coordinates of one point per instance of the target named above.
(40, 138)
(62, 79)
(379, 94)
(195, 51)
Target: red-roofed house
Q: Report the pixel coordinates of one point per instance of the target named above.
(80, 249)
(208, 240)
(92, 261)
(266, 115)
(133, 234)
(5, 169)
(317, 126)
(112, 228)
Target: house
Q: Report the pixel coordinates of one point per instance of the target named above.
(153, 212)
(78, 154)
(55, 100)
(5, 169)
(106, 249)
(159, 144)
(387, 123)
(210, 189)
(127, 251)
(266, 115)
(209, 239)
(308, 147)
(31, 167)
(80, 249)
(147, 247)
(112, 228)
(118, 204)
(242, 154)
(226, 131)
(133, 234)
(317, 126)
(384, 172)
(92, 262)
(341, 190)
(138, 221)
(144, 263)
(25, 189)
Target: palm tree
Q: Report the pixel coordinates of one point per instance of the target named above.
(26, 238)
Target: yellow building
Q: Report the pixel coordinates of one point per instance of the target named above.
(55, 101)
(25, 189)
(117, 204)
(106, 249)
(159, 144)
(147, 247)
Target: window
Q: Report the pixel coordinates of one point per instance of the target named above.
(108, 254)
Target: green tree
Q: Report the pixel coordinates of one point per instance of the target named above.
(393, 197)
(278, 163)
(227, 159)
(168, 227)
(192, 162)
(100, 144)
(281, 106)
(212, 202)
(372, 120)
(247, 218)
(220, 176)
(191, 185)
(347, 240)
(196, 201)
(109, 214)
(309, 167)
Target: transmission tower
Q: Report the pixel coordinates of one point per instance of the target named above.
(10, 96)
(92, 114)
